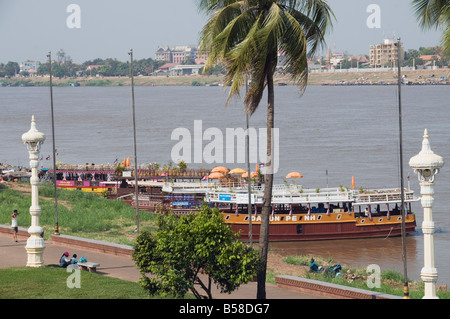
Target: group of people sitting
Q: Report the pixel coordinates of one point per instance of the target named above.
(65, 260)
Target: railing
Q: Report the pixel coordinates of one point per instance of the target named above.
(383, 196)
(283, 194)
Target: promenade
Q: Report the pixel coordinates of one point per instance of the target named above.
(13, 254)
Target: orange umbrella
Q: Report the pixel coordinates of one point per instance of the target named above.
(220, 169)
(252, 174)
(237, 171)
(215, 175)
(294, 175)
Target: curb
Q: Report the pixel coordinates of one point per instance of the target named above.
(96, 245)
(328, 289)
(22, 232)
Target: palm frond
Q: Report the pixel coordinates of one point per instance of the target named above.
(219, 27)
(429, 11)
(435, 14)
(246, 35)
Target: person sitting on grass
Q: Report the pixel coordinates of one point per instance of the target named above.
(64, 261)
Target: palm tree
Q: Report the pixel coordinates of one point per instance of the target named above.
(246, 36)
(435, 13)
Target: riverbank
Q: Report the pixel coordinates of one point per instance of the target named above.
(339, 77)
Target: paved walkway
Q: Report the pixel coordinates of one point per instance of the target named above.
(13, 254)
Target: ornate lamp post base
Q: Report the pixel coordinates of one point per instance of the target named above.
(429, 277)
(35, 251)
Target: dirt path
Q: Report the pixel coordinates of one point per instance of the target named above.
(26, 189)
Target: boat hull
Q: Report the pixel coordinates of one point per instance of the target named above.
(325, 229)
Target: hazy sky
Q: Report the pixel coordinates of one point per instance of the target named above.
(109, 28)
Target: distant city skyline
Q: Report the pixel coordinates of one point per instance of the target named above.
(108, 29)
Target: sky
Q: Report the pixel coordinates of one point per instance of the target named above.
(29, 29)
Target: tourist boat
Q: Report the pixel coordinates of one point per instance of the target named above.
(87, 178)
(313, 214)
(297, 213)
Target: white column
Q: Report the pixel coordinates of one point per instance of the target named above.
(429, 273)
(35, 243)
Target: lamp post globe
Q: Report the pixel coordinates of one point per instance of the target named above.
(33, 139)
(426, 165)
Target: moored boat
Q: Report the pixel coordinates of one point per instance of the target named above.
(313, 214)
(87, 178)
(297, 213)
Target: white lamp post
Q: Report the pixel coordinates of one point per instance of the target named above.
(426, 165)
(33, 139)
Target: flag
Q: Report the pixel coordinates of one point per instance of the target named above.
(205, 178)
(164, 174)
(116, 161)
(47, 158)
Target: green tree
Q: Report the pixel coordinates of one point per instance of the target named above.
(185, 247)
(11, 68)
(246, 35)
(435, 14)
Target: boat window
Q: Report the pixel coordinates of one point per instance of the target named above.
(380, 220)
(399, 218)
(362, 221)
(299, 229)
(227, 217)
(245, 218)
(338, 217)
(319, 217)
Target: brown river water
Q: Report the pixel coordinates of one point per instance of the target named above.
(329, 134)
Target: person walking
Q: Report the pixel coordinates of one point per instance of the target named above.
(14, 224)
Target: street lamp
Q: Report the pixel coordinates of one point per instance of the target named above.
(33, 139)
(426, 165)
(136, 187)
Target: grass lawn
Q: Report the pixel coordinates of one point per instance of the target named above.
(51, 283)
(80, 214)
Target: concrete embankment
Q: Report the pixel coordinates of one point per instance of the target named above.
(338, 77)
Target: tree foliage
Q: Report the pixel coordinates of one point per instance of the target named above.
(435, 14)
(191, 253)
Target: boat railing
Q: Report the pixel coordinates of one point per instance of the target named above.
(84, 167)
(383, 196)
(284, 194)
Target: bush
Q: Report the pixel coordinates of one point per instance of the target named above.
(184, 247)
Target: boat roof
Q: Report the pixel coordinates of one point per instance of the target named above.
(282, 193)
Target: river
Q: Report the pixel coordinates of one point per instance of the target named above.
(329, 134)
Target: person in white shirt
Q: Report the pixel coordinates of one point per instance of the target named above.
(14, 224)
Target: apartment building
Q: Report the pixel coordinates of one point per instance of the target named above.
(28, 66)
(163, 54)
(385, 54)
(178, 54)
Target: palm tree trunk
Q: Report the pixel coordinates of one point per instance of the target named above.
(267, 200)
